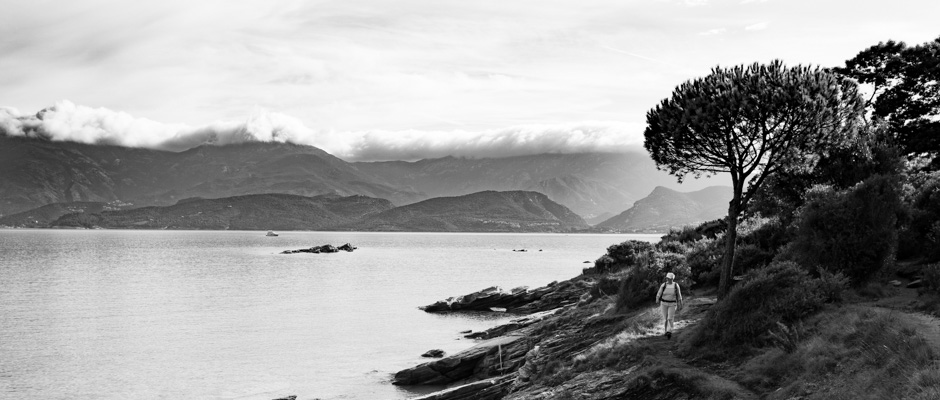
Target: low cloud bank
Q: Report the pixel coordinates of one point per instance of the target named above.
(66, 121)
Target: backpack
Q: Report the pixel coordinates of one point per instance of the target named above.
(675, 294)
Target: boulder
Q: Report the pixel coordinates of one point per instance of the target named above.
(915, 284)
(347, 247)
(435, 353)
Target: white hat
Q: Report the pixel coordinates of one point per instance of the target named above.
(670, 275)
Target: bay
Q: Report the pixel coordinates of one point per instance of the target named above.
(108, 314)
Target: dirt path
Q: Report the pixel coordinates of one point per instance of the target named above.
(903, 304)
(664, 350)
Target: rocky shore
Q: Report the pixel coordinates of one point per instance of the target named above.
(488, 369)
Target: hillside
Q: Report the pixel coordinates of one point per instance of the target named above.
(587, 183)
(665, 208)
(250, 212)
(37, 172)
(588, 198)
(489, 211)
(42, 217)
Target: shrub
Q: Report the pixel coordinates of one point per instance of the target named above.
(622, 255)
(853, 232)
(931, 279)
(781, 292)
(703, 260)
(749, 256)
(643, 279)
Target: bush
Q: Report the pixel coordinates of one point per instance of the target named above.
(923, 233)
(749, 256)
(704, 259)
(622, 255)
(853, 232)
(781, 292)
(931, 279)
(643, 279)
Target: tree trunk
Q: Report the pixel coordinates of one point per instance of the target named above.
(731, 236)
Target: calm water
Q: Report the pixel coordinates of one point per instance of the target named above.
(220, 315)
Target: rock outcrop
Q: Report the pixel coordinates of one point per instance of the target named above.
(491, 358)
(513, 325)
(487, 389)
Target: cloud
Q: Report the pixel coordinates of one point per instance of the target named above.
(594, 136)
(758, 26)
(66, 121)
(716, 31)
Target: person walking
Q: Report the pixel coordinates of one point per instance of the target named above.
(669, 299)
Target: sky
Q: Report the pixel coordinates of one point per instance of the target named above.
(406, 79)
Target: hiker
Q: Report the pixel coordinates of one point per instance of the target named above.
(669, 299)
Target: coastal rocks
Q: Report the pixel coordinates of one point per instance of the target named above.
(513, 325)
(488, 389)
(520, 300)
(436, 353)
(485, 360)
(489, 298)
(326, 248)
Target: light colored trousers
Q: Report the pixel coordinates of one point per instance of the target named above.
(669, 313)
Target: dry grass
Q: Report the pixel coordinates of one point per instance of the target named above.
(852, 353)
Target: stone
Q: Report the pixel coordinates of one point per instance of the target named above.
(435, 353)
(915, 284)
(287, 398)
(347, 247)
(895, 283)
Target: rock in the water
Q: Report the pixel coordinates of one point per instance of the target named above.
(436, 353)
(326, 248)
(916, 284)
(895, 283)
(287, 398)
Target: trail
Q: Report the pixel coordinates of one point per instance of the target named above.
(902, 304)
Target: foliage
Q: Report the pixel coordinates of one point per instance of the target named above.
(644, 278)
(751, 122)
(873, 152)
(782, 291)
(687, 234)
(906, 94)
(704, 260)
(622, 255)
(853, 232)
(848, 353)
(930, 275)
(922, 234)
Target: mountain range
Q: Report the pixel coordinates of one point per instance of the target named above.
(38, 172)
(490, 211)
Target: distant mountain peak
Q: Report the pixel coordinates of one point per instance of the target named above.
(666, 208)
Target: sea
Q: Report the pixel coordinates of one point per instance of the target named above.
(118, 314)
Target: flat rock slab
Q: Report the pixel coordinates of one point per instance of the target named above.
(465, 364)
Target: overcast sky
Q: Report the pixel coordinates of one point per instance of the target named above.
(405, 78)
